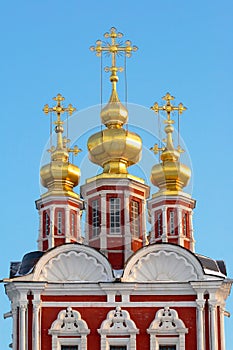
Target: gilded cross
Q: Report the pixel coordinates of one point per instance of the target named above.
(59, 109)
(114, 47)
(168, 108)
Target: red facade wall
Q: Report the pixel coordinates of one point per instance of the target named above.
(142, 316)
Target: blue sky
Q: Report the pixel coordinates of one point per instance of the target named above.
(185, 47)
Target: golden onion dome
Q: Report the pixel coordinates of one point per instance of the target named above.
(60, 176)
(114, 150)
(170, 175)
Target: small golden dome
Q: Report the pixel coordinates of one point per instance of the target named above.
(60, 176)
(114, 113)
(170, 175)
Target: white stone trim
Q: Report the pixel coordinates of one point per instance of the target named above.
(76, 250)
(118, 323)
(112, 303)
(140, 261)
(166, 324)
(69, 324)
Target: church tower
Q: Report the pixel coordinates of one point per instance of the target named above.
(60, 207)
(171, 208)
(115, 199)
(163, 296)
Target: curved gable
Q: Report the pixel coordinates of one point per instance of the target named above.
(163, 262)
(73, 263)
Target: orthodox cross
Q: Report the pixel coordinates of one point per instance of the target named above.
(59, 109)
(113, 48)
(168, 108)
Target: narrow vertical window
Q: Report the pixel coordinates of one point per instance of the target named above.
(47, 224)
(95, 218)
(115, 215)
(185, 224)
(159, 223)
(135, 219)
(59, 222)
(172, 222)
(73, 224)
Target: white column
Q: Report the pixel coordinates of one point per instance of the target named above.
(103, 224)
(152, 237)
(35, 327)
(213, 325)
(143, 220)
(52, 223)
(127, 235)
(192, 241)
(200, 324)
(180, 227)
(40, 233)
(67, 225)
(15, 325)
(22, 325)
(164, 213)
(222, 327)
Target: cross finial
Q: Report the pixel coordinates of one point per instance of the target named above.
(168, 108)
(113, 48)
(59, 109)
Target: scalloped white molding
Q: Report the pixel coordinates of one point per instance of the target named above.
(73, 266)
(69, 329)
(163, 263)
(118, 323)
(73, 263)
(165, 324)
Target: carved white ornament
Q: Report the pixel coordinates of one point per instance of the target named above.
(162, 266)
(165, 324)
(69, 329)
(69, 322)
(167, 321)
(118, 323)
(73, 266)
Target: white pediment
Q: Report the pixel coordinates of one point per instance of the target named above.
(73, 263)
(162, 263)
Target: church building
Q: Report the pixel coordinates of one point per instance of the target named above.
(114, 286)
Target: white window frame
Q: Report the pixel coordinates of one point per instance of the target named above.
(167, 341)
(73, 336)
(73, 224)
(95, 218)
(115, 215)
(173, 333)
(135, 219)
(59, 222)
(172, 222)
(47, 224)
(159, 223)
(58, 342)
(185, 224)
(117, 342)
(118, 329)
